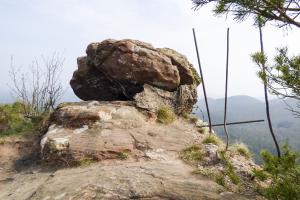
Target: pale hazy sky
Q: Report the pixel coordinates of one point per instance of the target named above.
(31, 28)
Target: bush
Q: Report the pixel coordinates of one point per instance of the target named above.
(284, 174)
(260, 174)
(165, 115)
(18, 124)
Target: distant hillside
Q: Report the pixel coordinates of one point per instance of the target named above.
(257, 135)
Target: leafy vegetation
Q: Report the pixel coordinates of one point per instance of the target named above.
(282, 78)
(283, 12)
(12, 116)
(284, 173)
(260, 174)
(165, 115)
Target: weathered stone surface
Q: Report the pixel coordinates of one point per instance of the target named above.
(106, 130)
(144, 180)
(137, 158)
(180, 101)
(118, 70)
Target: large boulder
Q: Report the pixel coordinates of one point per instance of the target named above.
(118, 70)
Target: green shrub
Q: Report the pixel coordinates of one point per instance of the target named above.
(192, 154)
(284, 174)
(212, 139)
(18, 124)
(165, 115)
(260, 174)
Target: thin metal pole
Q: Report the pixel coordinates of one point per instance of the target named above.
(235, 123)
(226, 92)
(266, 92)
(203, 84)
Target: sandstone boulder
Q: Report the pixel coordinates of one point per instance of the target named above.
(119, 70)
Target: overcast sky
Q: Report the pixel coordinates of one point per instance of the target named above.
(31, 28)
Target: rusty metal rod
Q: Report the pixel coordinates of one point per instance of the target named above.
(266, 91)
(203, 84)
(234, 123)
(226, 92)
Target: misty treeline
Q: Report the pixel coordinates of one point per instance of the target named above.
(38, 88)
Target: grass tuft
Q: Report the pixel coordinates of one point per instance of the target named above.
(220, 179)
(165, 115)
(123, 155)
(242, 149)
(193, 119)
(212, 139)
(192, 154)
(85, 162)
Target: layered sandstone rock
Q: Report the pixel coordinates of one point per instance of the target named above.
(119, 70)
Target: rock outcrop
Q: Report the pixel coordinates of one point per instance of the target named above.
(119, 151)
(111, 130)
(119, 70)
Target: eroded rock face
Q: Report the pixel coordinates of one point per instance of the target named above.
(110, 130)
(118, 70)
